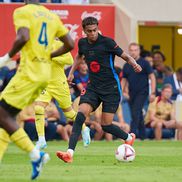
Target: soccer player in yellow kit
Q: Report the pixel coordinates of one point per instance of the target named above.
(36, 29)
(58, 89)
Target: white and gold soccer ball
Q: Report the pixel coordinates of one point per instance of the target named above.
(125, 153)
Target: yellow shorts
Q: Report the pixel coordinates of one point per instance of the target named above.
(59, 91)
(21, 91)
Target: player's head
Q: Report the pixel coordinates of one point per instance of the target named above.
(166, 91)
(134, 50)
(90, 27)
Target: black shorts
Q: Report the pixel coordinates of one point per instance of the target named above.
(110, 101)
(10, 109)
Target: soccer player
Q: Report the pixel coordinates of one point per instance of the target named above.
(58, 89)
(99, 52)
(36, 29)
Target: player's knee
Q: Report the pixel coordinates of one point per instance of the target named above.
(39, 109)
(70, 115)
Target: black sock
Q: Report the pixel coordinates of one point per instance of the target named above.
(76, 131)
(115, 130)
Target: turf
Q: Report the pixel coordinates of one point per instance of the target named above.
(155, 162)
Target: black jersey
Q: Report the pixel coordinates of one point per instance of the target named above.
(99, 57)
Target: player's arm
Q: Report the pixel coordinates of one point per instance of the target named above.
(116, 50)
(78, 60)
(66, 47)
(131, 61)
(22, 37)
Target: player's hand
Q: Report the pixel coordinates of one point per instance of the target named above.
(4, 60)
(137, 68)
(70, 79)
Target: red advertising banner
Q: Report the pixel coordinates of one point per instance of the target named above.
(71, 15)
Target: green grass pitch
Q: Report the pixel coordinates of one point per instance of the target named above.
(155, 162)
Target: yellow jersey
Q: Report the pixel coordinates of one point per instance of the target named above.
(58, 64)
(43, 26)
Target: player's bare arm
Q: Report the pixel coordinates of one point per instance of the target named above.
(22, 37)
(67, 46)
(77, 61)
(131, 61)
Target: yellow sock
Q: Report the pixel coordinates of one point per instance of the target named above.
(72, 116)
(40, 120)
(4, 141)
(21, 139)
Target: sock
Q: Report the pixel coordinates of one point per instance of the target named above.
(76, 131)
(34, 155)
(21, 139)
(42, 139)
(4, 141)
(71, 152)
(40, 120)
(115, 130)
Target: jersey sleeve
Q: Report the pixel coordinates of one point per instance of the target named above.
(113, 47)
(21, 19)
(61, 29)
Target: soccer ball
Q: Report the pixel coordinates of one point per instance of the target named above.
(125, 153)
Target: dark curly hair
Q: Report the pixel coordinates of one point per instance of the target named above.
(89, 21)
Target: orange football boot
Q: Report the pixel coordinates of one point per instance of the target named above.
(65, 156)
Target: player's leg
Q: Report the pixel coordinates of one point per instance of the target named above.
(71, 115)
(109, 107)
(4, 141)
(62, 95)
(15, 97)
(39, 108)
(20, 138)
(88, 102)
(84, 111)
(108, 127)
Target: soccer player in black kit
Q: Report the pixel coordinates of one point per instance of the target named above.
(104, 86)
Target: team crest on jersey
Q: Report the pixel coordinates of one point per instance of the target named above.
(95, 66)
